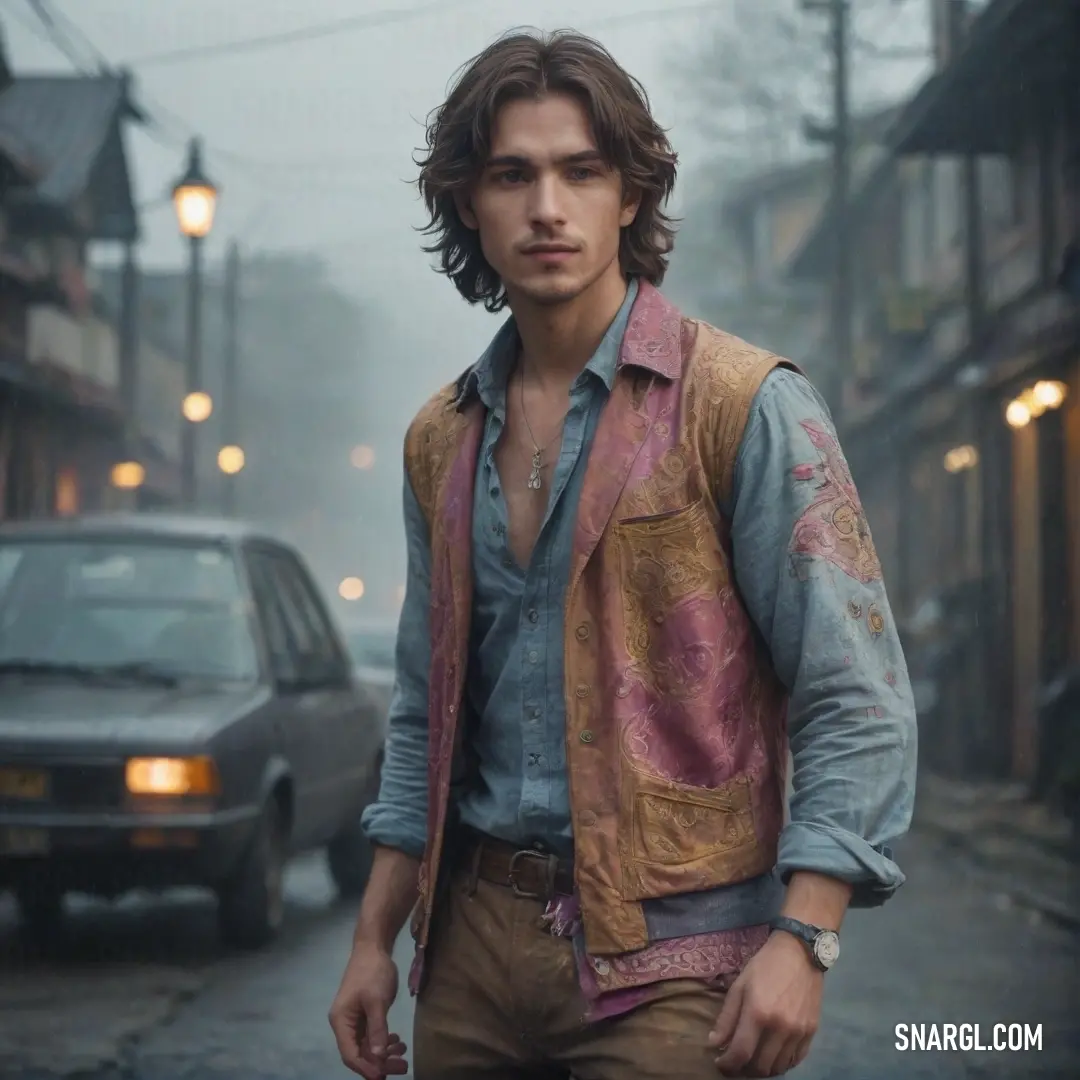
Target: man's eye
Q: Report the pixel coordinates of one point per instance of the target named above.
(580, 173)
(510, 176)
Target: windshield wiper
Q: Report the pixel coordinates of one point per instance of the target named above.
(138, 671)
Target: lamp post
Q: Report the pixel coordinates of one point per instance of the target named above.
(195, 198)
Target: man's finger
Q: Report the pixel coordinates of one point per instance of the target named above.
(773, 1052)
(378, 1038)
(726, 1022)
(742, 1045)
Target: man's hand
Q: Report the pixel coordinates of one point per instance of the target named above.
(358, 1015)
(771, 1013)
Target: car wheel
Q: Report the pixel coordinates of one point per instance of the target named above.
(349, 856)
(251, 904)
(41, 909)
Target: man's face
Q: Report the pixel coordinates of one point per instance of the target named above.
(547, 207)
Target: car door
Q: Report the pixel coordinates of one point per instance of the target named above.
(298, 707)
(351, 738)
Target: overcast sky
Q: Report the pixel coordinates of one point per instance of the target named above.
(312, 141)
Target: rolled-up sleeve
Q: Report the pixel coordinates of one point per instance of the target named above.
(807, 570)
(398, 817)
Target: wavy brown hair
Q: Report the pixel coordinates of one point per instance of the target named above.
(526, 64)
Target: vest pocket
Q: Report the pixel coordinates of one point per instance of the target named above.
(686, 839)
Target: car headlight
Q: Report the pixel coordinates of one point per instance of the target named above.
(172, 776)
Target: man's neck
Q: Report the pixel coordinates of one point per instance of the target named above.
(557, 341)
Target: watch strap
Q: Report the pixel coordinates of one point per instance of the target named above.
(806, 932)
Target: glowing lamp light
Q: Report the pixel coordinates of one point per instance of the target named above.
(960, 458)
(197, 407)
(171, 776)
(1049, 394)
(1017, 415)
(195, 197)
(127, 475)
(230, 460)
(351, 588)
(362, 457)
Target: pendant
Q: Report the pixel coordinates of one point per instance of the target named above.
(534, 476)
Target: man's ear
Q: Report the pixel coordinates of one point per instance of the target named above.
(631, 205)
(463, 202)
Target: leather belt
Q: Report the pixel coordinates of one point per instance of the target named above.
(531, 874)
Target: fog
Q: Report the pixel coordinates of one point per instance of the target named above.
(309, 130)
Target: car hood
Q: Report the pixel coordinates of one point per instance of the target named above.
(42, 714)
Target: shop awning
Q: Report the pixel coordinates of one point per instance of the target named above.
(1019, 55)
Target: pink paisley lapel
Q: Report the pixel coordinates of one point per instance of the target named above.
(652, 345)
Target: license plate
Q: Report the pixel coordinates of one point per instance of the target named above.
(20, 841)
(23, 784)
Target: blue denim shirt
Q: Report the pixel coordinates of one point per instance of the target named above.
(851, 714)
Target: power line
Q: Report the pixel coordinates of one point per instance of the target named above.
(370, 20)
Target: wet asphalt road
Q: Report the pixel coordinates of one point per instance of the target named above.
(142, 991)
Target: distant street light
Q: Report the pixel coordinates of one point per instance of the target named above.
(127, 475)
(230, 460)
(362, 457)
(195, 199)
(197, 407)
(351, 588)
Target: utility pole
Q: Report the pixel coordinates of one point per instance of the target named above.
(838, 135)
(230, 388)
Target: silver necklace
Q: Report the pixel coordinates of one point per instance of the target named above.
(538, 451)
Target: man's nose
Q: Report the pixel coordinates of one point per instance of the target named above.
(547, 205)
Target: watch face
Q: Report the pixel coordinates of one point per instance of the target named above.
(827, 948)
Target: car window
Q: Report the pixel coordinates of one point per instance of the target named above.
(301, 593)
(121, 601)
(309, 644)
(282, 653)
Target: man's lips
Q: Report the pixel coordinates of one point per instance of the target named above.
(550, 252)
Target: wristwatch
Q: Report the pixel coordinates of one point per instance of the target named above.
(824, 945)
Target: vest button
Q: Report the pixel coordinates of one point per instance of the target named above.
(582, 690)
(586, 736)
(587, 818)
(602, 967)
(583, 632)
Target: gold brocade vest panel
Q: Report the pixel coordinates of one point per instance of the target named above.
(675, 721)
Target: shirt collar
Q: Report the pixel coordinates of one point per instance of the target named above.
(486, 379)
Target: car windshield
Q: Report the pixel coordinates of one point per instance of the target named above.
(130, 606)
(372, 648)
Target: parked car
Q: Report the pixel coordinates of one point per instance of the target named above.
(177, 707)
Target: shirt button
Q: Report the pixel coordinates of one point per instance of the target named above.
(533, 656)
(534, 713)
(582, 632)
(534, 616)
(582, 690)
(586, 736)
(623, 690)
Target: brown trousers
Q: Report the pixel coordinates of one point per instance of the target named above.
(501, 1001)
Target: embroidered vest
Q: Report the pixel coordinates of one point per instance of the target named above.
(675, 720)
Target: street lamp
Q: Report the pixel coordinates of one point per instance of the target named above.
(230, 460)
(195, 199)
(127, 475)
(197, 407)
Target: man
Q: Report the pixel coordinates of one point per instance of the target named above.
(638, 567)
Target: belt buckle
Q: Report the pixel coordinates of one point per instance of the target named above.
(544, 857)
